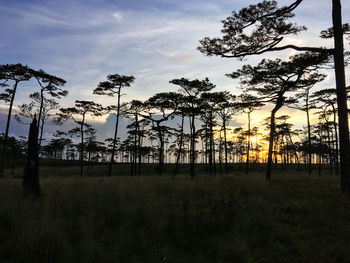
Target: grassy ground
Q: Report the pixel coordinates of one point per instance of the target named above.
(296, 218)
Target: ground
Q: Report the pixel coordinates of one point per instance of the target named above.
(236, 218)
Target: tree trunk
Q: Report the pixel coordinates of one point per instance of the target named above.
(279, 104)
(225, 145)
(180, 145)
(308, 134)
(341, 97)
(3, 153)
(115, 135)
(193, 142)
(248, 146)
(31, 173)
(336, 140)
(161, 150)
(82, 146)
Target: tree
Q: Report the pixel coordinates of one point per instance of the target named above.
(327, 98)
(133, 111)
(192, 90)
(28, 111)
(48, 84)
(225, 110)
(248, 103)
(160, 108)
(78, 115)
(112, 87)
(213, 104)
(272, 79)
(271, 27)
(14, 73)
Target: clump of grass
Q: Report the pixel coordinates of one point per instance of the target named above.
(156, 219)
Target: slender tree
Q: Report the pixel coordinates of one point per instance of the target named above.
(51, 85)
(248, 103)
(112, 87)
(192, 90)
(160, 108)
(10, 77)
(31, 109)
(78, 115)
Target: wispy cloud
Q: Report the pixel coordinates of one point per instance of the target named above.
(84, 41)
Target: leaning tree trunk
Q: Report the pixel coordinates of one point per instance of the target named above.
(279, 104)
(341, 97)
(31, 172)
(3, 149)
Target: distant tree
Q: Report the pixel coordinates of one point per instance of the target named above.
(271, 27)
(112, 87)
(225, 109)
(248, 103)
(192, 90)
(78, 115)
(327, 98)
(308, 105)
(133, 110)
(51, 85)
(273, 79)
(213, 103)
(159, 108)
(32, 109)
(10, 77)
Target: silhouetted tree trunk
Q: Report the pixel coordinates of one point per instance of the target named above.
(31, 172)
(271, 139)
(179, 152)
(248, 146)
(115, 134)
(341, 96)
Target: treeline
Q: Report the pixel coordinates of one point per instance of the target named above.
(209, 137)
(191, 125)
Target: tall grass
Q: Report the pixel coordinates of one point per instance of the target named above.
(296, 218)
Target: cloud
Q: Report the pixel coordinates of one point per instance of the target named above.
(84, 41)
(118, 16)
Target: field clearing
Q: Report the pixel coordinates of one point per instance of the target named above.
(295, 218)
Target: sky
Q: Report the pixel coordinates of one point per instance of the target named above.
(82, 41)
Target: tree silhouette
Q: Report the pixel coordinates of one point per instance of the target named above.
(112, 87)
(272, 79)
(51, 85)
(78, 115)
(225, 110)
(133, 110)
(160, 108)
(28, 111)
(327, 97)
(248, 103)
(31, 171)
(271, 26)
(11, 74)
(213, 103)
(192, 90)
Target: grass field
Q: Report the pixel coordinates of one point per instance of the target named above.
(295, 218)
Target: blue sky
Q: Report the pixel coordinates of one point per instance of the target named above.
(82, 41)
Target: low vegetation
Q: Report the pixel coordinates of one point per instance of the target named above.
(236, 218)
